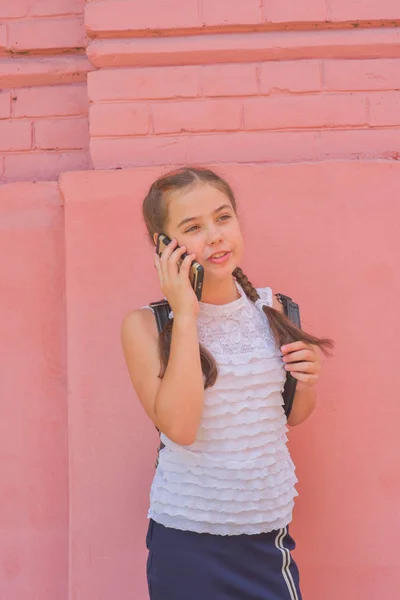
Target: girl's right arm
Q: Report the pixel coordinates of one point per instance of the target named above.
(175, 402)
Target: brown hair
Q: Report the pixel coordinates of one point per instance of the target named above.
(155, 213)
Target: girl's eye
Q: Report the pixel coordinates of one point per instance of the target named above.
(194, 227)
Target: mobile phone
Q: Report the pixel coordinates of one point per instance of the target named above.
(196, 271)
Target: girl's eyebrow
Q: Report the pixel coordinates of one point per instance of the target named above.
(194, 218)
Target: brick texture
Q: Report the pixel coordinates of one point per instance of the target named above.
(5, 105)
(351, 75)
(385, 109)
(15, 135)
(45, 34)
(200, 111)
(43, 96)
(119, 119)
(258, 111)
(50, 101)
(40, 8)
(43, 166)
(292, 11)
(3, 36)
(120, 15)
(205, 115)
(242, 147)
(57, 134)
(305, 111)
(158, 82)
(226, 12)
(362, 10)
(290, 76)
(228, 80)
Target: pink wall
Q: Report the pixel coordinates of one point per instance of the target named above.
(297, 102)
(34, 434)
(341, 265)
(43, 98)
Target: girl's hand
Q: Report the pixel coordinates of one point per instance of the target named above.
(303, 362)
(175, 283)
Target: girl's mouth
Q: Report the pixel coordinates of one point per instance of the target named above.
(220, 257)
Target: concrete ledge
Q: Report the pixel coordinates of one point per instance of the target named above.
(34, 71)
(245, 47)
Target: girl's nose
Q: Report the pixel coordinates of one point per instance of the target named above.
(214, 237)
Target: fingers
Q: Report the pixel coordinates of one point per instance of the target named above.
(167, 265)
(172, 252)
(300, 355)
(303, 367)
(173, 264)
(185, 267)
(293, 346)
(166, 253)
(306, 377)
(157, 265)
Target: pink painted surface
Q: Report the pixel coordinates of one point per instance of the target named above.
(337, 255)
(33, 398)
(271, 111)
(270, 83)
(247, 47)
(43, 71)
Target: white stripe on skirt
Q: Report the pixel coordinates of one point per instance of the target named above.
(286, 564)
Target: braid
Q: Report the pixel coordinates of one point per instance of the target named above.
(283, 330)
(208, 364)
(246, 285)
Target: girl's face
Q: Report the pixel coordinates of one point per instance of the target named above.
(203, 220)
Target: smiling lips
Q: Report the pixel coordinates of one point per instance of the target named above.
(219, 257)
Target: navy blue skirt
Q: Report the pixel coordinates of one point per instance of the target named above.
(184, 565)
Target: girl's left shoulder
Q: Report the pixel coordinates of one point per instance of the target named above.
(266, 294)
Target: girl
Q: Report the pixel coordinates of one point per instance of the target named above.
(222, 496)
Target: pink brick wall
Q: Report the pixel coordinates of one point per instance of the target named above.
(270, 111)
(43, 103)
(238, 94)
(241, 94)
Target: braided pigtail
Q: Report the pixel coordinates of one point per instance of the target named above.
(208, 364)
(283, 330)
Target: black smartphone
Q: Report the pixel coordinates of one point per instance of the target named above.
(196, 272)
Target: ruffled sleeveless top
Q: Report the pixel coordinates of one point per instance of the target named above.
(238, 476)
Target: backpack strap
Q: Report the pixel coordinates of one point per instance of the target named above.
(162, 309)
(292, 312)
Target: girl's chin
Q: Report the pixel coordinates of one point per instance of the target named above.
(220, 271)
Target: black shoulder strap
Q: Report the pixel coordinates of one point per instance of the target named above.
(161, 311)
(292, 311)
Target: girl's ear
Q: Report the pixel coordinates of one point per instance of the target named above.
(155, 235)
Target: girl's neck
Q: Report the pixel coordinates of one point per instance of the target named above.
(219, 291)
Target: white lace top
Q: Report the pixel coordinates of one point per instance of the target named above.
(237, 477)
